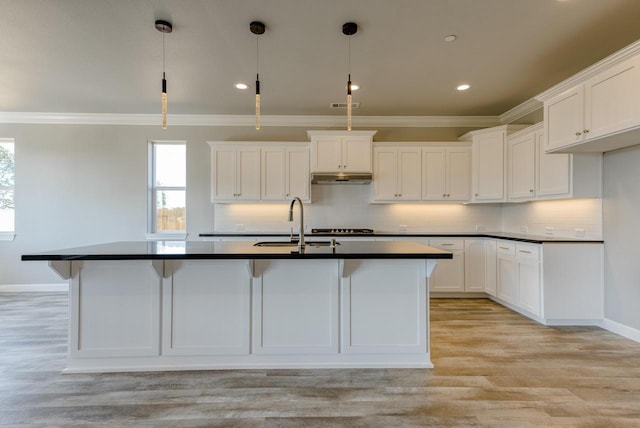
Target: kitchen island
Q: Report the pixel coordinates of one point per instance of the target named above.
(228, 305)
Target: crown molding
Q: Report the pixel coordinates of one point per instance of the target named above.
(521, 110)
(618, 57)
(247, 120)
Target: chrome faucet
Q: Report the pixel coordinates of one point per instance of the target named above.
(301, 233)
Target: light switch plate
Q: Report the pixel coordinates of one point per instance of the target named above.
(479, 227)
(402, 228)
(239, 226)
(524, 229)
(580, 233)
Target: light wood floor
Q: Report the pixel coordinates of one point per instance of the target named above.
(493, 368)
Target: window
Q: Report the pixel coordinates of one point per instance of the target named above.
(167, 188)
(7, 188)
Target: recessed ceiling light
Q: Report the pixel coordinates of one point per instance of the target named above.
(450, 38)
(463, 87)
(241, 86)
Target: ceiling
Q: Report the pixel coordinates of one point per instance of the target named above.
(105, 56)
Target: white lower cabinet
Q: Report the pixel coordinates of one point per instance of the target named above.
(383, 307)
(529, 285)
(475, 265)
(205, 308)
(295, 307)
(449, 274)
(519, 275)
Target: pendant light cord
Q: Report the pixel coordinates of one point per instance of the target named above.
(349, 56)
(163, 63)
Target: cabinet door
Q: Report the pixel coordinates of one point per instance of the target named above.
(297, 174)
(273, 174)
(449, 274)
(458, 174)
(564, 118)
(522, 153)
(612, 100)
(385, 173)
(326, 154)
(223, 173)
(489, 167)
(356, 155)
(491, 279)
(475, 265)
(248, 173)
(508, 279)
(529, 286)
(409, 174)
(434, 174)
(553, 170)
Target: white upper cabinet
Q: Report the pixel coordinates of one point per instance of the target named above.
(598, 114)
(235, 172)
(535, 174)
(522, 177)
(285, 173)
(255, 171)
(397, 173)
(446, 173)
(489, 162)
(341, 151)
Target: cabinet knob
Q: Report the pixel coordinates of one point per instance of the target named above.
(448, 195)
(531, 190)
(476, 194)
(586, 131)
(444, 195)
(399, 194)
(578, 134)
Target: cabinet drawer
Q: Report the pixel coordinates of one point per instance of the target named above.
(447, 244)
(528, 251)
(506, 248)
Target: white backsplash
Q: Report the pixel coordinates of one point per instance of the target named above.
(564, 217)
(349, 206)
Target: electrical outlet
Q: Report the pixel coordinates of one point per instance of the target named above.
(524, 229)
(402, 228)
(239, 226)
(479, 227)
(548, 231)
(580, 233)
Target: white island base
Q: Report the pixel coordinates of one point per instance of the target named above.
(129, 315)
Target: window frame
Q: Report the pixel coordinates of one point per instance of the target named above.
(9, 235)
(152, 189)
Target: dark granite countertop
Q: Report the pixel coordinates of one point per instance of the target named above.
(534, 239)
(165, 250)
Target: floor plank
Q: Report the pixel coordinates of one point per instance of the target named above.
(494, 368)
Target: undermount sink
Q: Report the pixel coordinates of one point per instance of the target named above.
(293, 244)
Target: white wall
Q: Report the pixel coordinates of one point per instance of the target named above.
(563, 216)
(621, 206)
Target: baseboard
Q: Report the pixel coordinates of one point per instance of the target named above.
(621, 329)
(31, 288)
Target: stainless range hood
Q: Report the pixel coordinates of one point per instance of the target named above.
(341, 178)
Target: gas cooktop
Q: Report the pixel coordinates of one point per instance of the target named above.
(342, 231)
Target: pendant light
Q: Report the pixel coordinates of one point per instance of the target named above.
(164, 27)
(257, 28)
(349, 29)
